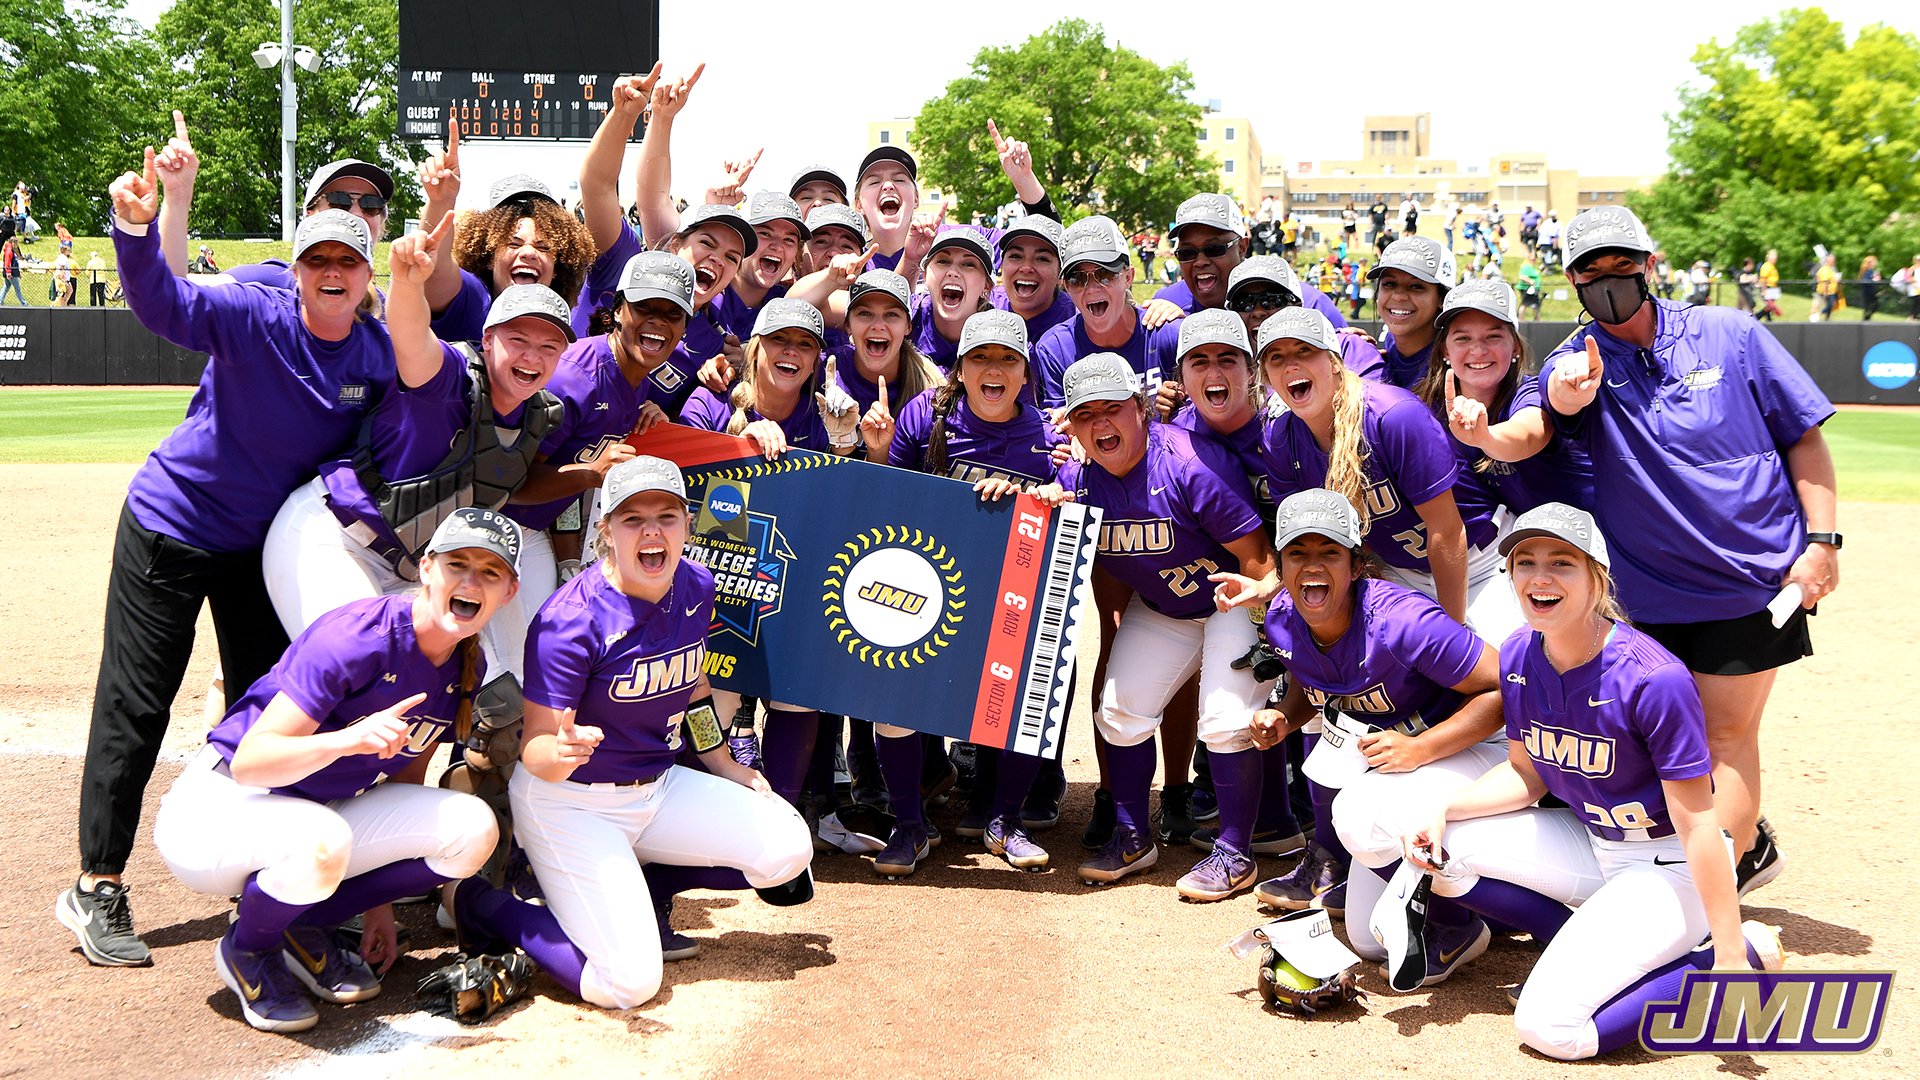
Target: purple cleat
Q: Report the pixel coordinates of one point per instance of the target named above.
(270, 997)
(1126, 853)
(1223, 873)
(328, 971)
(1007, 838)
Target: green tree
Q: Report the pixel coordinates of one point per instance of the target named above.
(1794, 137)
(232, 106)
(75, 80)
(1111, 131)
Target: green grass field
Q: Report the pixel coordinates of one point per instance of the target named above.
(1873, 451)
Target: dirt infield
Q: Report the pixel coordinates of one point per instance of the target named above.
(966, 969)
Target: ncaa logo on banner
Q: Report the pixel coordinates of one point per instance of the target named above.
(1770, 1012)
(1890, 365)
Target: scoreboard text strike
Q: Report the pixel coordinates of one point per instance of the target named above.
(502, 104)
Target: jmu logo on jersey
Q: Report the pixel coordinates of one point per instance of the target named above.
(878, 592)
(1374, 700)
(651, 676)
(1145, 537)
(1382, 499)
(422, 734)
(1570, 751)
(1760, 1012)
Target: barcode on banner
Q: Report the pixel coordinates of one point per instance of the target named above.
(1056, 605)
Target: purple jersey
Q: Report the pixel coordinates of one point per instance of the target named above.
(627, 666)
(1055, 313)
(1559, 473)
(883, 261)
(1154, 355)
(411, 431)
(1362, 359)
(927, 337)
(1404, 370)
(1166, 523)
(803, 427)
(855, 384)
(273, 403)
(1688, 442)
(356, 660)
(600, 409)
(1019, 449)
(602, 287)
(1244, 444)
(1182, 297)
(1409, 460)
(736, 315)
(1604, 735)
(1400, 658)
(465, 316)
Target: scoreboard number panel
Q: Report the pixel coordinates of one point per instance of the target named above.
(501, 104)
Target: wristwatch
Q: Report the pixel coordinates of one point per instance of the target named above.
(1832, 538)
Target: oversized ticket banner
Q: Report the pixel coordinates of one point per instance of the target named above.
(889, 595)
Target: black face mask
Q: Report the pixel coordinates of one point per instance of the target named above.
(1614, 299)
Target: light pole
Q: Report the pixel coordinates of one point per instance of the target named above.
(284, 55)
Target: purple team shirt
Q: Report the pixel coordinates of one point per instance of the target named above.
(1154, 355)
(927, 337)
(850, 378)
(1688, 442)
(1167, 522)
(1559, 473)
(1404, 371)
(1401, 656)
(1243, 443)
(1055, 313)
(411, 431)
(1182, 297)
(628, 666)
(1019, 449)
(600, 409)
(1362, 359)
(1410, 460)
(736, 315)
(1604, 735)
(273, 404)
(803, 427)
(602, 287)
(354, 661)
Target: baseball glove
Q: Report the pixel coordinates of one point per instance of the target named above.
(1286, 987)
(472, 989)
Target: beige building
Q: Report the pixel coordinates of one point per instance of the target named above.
(898, 131)
(1235, 149)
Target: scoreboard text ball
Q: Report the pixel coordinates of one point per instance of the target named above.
(503, 104)
(504, 71)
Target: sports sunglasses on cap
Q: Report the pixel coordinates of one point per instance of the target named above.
(340, 200)
(1272, 300)
(1211, 251)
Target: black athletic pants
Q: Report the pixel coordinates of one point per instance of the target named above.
(154, 593)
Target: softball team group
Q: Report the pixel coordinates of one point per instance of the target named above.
(1363, 605)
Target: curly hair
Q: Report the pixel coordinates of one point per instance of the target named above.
(483, 232)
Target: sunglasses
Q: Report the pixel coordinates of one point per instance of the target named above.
(1080, 279)
(340, 200)
(1211, 251)
(1263, 301)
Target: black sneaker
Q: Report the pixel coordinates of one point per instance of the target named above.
(103, 922)
(1100, 826)
(1041, 808)
(1762, 862)
(1173, 823)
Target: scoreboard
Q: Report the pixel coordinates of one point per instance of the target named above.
(502, 104)
(507, 70)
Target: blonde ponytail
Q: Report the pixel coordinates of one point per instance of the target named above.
(1347, 456)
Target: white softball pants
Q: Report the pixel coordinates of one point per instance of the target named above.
(587, 841)
(214, 833)
(1372, 813)
(312, 566)
(1154, 654)
(1493, 611)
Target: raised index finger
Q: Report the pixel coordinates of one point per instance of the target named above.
(440, 231)
(687, 83)
(993, 129)
(1453, 387)
(453, 142)
(180, 126)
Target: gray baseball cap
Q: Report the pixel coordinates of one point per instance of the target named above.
(1421, 256)
(474, 527)
(658, 274)
(1563, 522)
(1101, 376)
(536, 301)
(816, 172)
(508, 188)
(1298, 324)
(1493, 298)
(714, 213)
(770, 206)
(1271, 269)
(1605, 228)
(1320, 511)
(336, 226)
(640, 474)
(1093, 239)
(881, 281)
(994, 327)
(1211, 209)
(784, 313)
(888, 153)
(1038, 225)
(381, 180)
(834, 215)
(1213, 326)
(967, 237)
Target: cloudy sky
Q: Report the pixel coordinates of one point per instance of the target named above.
(1589, 85)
